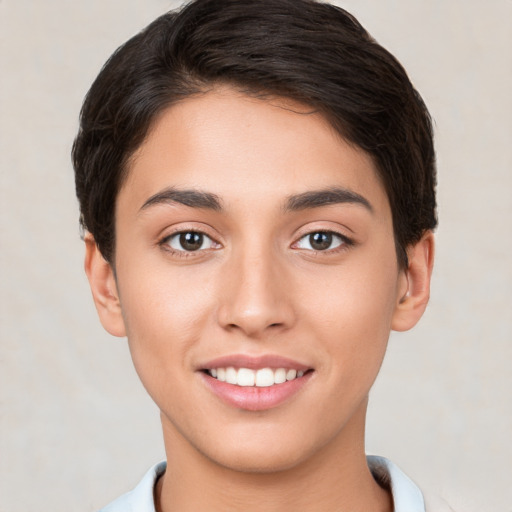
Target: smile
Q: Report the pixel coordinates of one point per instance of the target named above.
(255, 389)
(261, 378)
(255, 383)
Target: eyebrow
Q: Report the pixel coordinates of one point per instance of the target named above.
(325, 197)
(306, 200)
(187, 197)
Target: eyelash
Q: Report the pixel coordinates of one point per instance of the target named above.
(165, 243)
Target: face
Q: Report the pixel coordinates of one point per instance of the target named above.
(257, 278)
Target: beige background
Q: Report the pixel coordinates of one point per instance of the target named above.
(77, 428)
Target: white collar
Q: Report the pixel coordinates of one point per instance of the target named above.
(406, 496)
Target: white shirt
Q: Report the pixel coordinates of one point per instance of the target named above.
(406, 496)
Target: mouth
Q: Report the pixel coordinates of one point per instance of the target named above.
(260, 378)
(255, 383)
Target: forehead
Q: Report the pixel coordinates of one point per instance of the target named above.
(245, 148)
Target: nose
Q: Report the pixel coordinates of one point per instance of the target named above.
(256, 297)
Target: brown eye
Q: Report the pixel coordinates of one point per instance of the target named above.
(322, 241)
(190, 241)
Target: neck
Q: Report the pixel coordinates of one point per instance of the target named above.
(335, 479)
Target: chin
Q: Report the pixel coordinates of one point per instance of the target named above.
(258, 462)
(260, 453)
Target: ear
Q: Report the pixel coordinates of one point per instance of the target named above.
(104, 288)
(414, 285)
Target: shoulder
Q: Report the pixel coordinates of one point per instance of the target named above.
(139, 499)
(435, 503)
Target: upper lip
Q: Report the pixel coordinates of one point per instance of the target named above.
(254, 362)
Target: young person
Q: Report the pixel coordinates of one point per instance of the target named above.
(256, 183)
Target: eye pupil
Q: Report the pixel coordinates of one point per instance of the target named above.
(191, 241)
(320, 241)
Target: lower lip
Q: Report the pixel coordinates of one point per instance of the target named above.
(252, 398)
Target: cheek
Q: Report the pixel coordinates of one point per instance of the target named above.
(165, 313)
(352, 311)
(351, 299)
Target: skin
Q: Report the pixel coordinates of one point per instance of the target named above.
(258, 288)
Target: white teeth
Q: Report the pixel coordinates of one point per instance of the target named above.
(231, 377)
(291, 374)
(264, 378)
(245, 377)
(280, 376)
(261, 378)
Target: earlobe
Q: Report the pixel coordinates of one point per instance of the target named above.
(104, 288)
(414, 288)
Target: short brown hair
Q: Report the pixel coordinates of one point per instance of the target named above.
(311, 52)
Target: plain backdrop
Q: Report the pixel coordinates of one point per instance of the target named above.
(77, 429)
